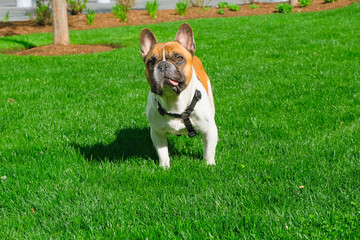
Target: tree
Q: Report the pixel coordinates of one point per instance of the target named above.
(60, 23)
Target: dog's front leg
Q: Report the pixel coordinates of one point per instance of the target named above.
(161, 145)
(210, 138)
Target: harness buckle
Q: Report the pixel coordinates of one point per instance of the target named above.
(185, 115)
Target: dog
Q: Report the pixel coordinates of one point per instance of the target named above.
(180, 100)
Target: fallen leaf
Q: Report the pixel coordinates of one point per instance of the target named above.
(32, 210)
(301, 187)
(3, 177)
(11, 100)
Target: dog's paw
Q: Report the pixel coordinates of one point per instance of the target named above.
(210, 162)
(165, 165)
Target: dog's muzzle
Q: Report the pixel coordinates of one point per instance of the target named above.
(166, 73)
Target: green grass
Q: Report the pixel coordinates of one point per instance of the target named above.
(79, 162)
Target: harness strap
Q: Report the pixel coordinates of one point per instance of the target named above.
(185, 116)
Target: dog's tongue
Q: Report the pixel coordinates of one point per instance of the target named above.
(173, 82)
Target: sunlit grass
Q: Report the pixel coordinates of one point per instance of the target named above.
(78, 160)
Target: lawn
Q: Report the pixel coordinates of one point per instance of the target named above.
(79, 162)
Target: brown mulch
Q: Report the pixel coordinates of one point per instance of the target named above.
(140, 17)
(57, 50)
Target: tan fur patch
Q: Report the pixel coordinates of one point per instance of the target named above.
(200, 73)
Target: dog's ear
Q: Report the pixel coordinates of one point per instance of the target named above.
(147, 41)
(185, 37)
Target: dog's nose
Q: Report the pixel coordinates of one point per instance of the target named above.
(163, 66)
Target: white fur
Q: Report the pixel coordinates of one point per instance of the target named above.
(202, 119)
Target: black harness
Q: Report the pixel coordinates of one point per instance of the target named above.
(185, 116)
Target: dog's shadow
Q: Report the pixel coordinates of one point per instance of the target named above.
(130, 143)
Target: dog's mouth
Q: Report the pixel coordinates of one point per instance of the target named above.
(176, 85)
(165, 81)
(173, 82)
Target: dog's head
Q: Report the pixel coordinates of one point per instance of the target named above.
(168, 65)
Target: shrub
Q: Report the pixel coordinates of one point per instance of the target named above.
(253, 6)
(152, 8)
(43, 12)
(222, 4)
(119, 11)
(29, 14)
(181, 7)
(220, 11)
(284, 8)
(233, 7)
(76, 6)
(6, 17)
(305, 3)
(128, 4)
(90, 17)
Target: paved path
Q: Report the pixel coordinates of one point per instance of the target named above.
(18, 14)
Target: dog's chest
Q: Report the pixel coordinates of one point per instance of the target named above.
(168, 124)
(175, 126)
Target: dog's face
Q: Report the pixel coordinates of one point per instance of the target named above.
(168, 65)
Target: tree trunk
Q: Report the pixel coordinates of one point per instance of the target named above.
(294, 3)
(60, 23)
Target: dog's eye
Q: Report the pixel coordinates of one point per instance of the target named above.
(179, 59)
(150, 63)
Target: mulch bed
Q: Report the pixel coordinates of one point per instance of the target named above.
(57, 50)
(140, 17)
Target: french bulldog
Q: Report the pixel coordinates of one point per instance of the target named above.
(180, 100)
